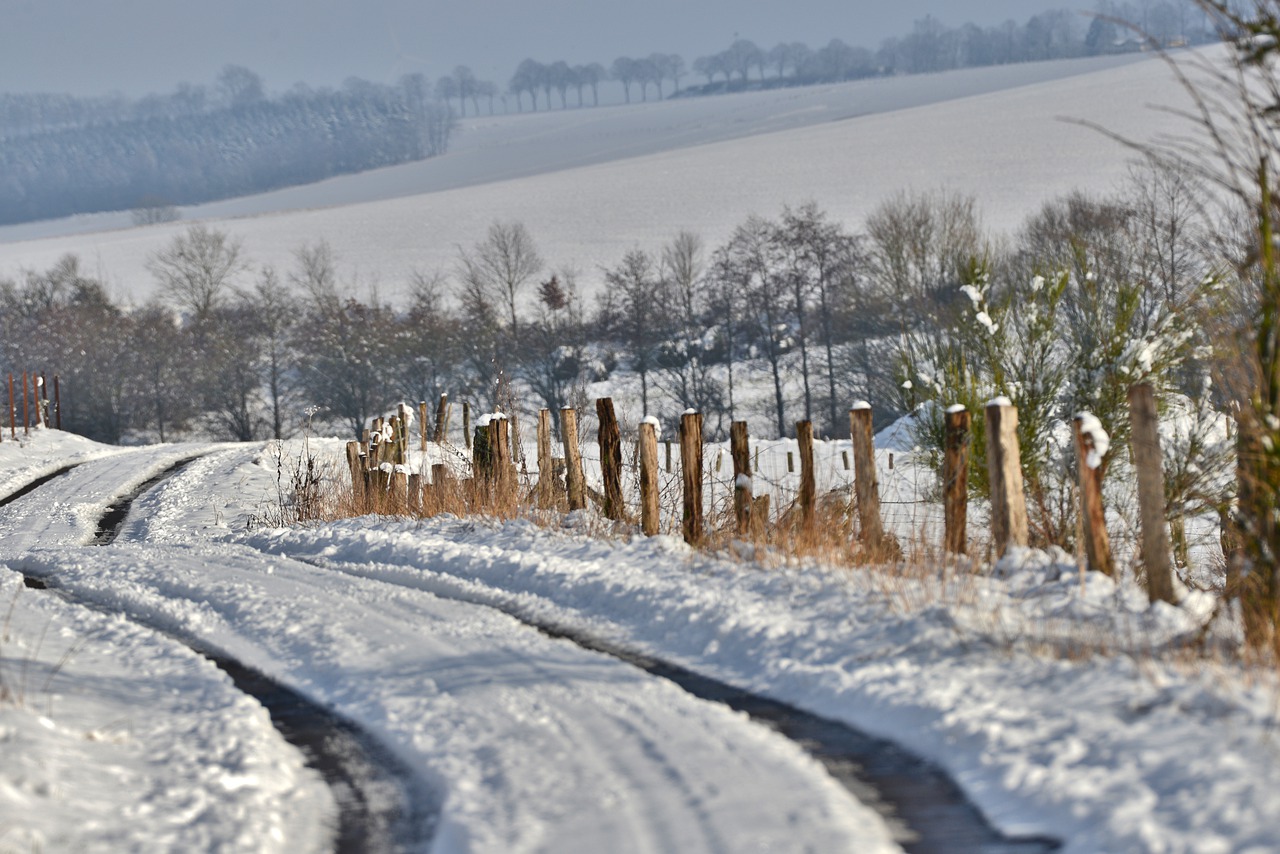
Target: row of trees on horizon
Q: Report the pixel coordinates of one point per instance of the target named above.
(61, 155)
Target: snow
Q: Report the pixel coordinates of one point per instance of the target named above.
(866, 145)
(1050, 696)
(1092, 427)
(955, 408)
(1000, 401)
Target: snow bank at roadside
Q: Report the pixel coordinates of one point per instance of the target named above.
(42, 452)
(1119, 752)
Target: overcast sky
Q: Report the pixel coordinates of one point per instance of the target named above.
(138, 46)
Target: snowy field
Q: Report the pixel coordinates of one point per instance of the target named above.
(531, 744)
(846, 147)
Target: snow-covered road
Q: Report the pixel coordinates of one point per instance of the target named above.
(1062, 703)
(532, 744)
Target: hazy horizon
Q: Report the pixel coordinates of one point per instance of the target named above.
(137, 47)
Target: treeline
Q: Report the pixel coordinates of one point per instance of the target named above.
(61, 156)
(791, 318)
(930, 47)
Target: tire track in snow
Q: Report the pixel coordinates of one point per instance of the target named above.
(381, 805)
(925, 809)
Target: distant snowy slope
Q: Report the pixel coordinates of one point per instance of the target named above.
(500, 148)
(1009, 148)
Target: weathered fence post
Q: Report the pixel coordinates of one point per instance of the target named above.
(439, 491)
(955, 480)
(649, 518)
(504, 464)
(422, 426)
(356, 467)
(545, 489)
(739, 448)
(1091, 445)
(415, 494)
(691, 475)
(443, 411)
(466, 424)
(26, 407)
(515, 450)
(399, 492)
(42, 401)
(866, 482)
(574, 480)
(406, 416)
(610, 438)
(1149, 462)
(808, 497)
(1004, 468)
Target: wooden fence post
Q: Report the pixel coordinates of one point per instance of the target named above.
(691, 475)
(466, 424)
(739, 448)
(515, 449)
(399, 492)
(406, 415)
(57, 402)
(1004, 468)
(415, 494)
(42, 401)
(808, 497)
(866, 482)
(422, 426)
(955, 480)
(1091, 443)
(546, 476)
(610, 439)
(443, 411)
(574, 480)
(356, 467)
(649, 518)
(504, 464)
(1149, 462)
(26, 407)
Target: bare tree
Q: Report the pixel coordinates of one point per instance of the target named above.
(153, 210)
(272, 312)
(683, 360)
(465, 81)
(196, 269)
(918, 247)
(634, 287)
(499, 267)
(624, 70)
(591, 74)
(239, 86)
(316, 275)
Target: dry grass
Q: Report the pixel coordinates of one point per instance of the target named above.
(917, 578)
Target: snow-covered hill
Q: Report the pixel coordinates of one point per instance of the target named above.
(1006, 144)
